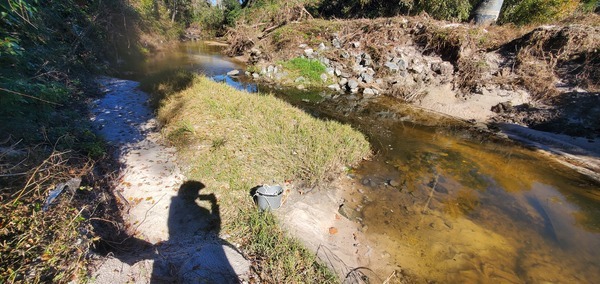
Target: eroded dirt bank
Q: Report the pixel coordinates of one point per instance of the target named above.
(516, 81)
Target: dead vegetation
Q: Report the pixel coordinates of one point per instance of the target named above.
(45, 239)
(258, 22)
(241, 39)
(548, 53)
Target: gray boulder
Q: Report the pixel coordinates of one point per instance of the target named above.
(352, 84)
(323, 77)
(367, 78)
(392, 66)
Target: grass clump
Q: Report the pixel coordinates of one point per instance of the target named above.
(266, 138)
(278, 254)
(537, 11)
(236, 140)
(310, 69)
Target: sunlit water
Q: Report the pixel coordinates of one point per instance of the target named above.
(446, 206)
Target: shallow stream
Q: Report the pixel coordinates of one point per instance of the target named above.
(446, 204)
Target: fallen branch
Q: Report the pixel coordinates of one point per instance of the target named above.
(430, 194)
(270, 29)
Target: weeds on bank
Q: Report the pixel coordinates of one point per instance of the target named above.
(43, 245)
(310, 69)
(278, 258)
(233, 140)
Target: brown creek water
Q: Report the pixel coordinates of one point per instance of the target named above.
(446, 204)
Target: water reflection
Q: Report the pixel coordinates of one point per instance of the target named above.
(196, 57)
(240, 85)
(469, 211)
(446, 206)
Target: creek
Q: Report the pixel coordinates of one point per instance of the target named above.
(446, 204)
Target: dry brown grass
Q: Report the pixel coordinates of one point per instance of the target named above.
(43, 246)
(51, 246)
(546, 53)
(241, 39)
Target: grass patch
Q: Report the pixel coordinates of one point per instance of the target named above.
(237, 140)
(282, 259)
(267, 139)
(310, 69)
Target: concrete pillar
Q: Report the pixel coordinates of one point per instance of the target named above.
(488, 12)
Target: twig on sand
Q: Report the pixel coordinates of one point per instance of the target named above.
(390, 277)
(435, 181)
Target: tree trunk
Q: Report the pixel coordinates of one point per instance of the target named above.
(175, 8)
(488, 12)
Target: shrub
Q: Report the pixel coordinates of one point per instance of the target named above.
(536, 11)
(441, 9)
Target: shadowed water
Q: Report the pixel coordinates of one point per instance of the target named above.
(446, 205)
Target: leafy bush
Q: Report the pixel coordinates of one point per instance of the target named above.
(536, 11)
(459, 10)
(441, 9)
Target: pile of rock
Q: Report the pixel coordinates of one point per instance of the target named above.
(402, 70)
(357, 71)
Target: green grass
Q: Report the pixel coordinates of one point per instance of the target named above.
(266, 138)
(310, 69)
(285, 259)
(235, 141)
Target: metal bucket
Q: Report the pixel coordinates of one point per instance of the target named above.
(268, 197)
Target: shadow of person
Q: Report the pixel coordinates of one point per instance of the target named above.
(194, 252)
(186, 215)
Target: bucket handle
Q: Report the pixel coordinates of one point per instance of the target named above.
(266, 185)
(266, 199)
